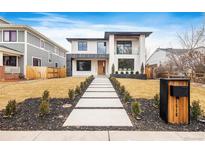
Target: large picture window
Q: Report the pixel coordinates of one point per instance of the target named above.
(82, 46)
(124, 47)
(10, 36)
(9, 61)
(83, 65)
(127, 64)
(36, 62)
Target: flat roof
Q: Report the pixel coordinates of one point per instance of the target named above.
(127, 34)
(112, 33)
(74, 39)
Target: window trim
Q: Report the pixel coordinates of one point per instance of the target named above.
(123, 46)
(126, 59)
(105, 45)
(83, 70)
(36, 58)
(10, 65)
(9, 30)
(82, 47)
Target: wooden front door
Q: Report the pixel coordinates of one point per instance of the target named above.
(101, 67)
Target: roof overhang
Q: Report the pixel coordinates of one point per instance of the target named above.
(126, 34)
(9, 51)
(86, 39)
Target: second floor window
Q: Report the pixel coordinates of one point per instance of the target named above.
(124, 47)
(42, 44)
(10, 36)
(101, 47)
(82, 46)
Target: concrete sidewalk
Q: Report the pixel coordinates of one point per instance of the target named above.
(100, 136)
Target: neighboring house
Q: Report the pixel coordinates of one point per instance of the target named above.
(22, 46)
(96, 56)
(161, 56)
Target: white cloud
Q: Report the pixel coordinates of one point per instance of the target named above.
(58, 28)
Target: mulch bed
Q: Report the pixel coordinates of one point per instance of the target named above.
(151, 120)
(27, 115)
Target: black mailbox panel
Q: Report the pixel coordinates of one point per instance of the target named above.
(179, 91)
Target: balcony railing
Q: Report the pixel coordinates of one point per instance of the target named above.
(128, 52)
(11, 69)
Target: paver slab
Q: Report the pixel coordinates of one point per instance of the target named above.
(101, 89)
(98, 117)
(99, 83)
(100, 86)
(73, 136)
(100, 95)
(99, 103)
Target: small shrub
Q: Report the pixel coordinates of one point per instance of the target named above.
(77, 90)
(122, 90)
(121, 72)
(136, 72)
(127, 97)
(45, 95)
(71, 94)
(135, 108)
(156, 100)
(82, 86)
(116, 72)
(113, 68)
(44, 104)
(142, 68)
(21, 76)
(44, 108)
(10, 108)
(131, 72)
(127, 72)
(196, 109)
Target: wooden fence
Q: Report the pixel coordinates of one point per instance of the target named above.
(33, 72)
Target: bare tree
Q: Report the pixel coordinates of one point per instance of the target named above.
(193, 42)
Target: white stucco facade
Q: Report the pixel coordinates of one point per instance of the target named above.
(138, 52)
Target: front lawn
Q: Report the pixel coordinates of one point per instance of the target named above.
(148, 88)
(22, 90)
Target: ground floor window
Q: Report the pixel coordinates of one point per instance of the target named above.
(36, 62)
(126, 64)
(9, 60)
(83, 65)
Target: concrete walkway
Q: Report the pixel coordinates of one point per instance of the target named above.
(99, 106)
(100, 136)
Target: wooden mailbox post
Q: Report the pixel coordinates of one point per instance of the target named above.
(175, 100)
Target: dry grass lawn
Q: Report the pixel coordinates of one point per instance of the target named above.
(34, 88)
(148, 88)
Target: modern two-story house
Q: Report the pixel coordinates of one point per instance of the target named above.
(22, 46)
(96, 56)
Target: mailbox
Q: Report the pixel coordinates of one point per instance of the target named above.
(175, 100)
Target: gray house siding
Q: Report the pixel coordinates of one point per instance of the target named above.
(43, 55)
(21, 64)
(49, 47)
(33, 40)
(21, 36)
(16, 46)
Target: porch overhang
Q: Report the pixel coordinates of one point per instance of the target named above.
(9, 51)
(89, 56)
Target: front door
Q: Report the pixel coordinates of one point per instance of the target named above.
(101, 67)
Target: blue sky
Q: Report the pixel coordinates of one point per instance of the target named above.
(58, 26)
